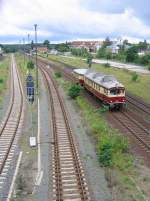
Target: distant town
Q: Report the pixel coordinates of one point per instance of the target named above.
(119, 50)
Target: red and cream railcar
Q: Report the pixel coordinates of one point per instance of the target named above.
(79, 75)
(105, 87)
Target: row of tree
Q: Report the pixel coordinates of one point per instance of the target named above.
(125, 54)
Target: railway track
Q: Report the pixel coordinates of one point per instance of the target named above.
(69, 181)
(10, 129)
(134, 101)
(137, 127)
(144, 107)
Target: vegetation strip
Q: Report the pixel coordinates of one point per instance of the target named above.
(4, 73)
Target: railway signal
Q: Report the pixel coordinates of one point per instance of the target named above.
(30, 88)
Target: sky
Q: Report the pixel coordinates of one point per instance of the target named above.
(66, 20)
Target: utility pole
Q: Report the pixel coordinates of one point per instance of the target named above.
(29, 45)
(35, 27)
(24, 50)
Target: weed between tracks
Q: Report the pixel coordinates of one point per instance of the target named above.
(23, 66)
(121, 173)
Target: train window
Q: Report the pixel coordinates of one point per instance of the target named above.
(115, 91)
(105, 91)
(122, 91)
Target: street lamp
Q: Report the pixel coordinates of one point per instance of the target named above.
(35, 27)
(24, 50)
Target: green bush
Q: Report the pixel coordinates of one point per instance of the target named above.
(111, 149)
(74, 91)
(104, 108)
(135, 77)
(30, 65)
(89, 60)
(107, 65)
(105, 154)
(58, 74)
(149, 67)
(1, 80)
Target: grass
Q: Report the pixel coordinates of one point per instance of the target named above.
(4, 72)
(23, 66)
(139, 88)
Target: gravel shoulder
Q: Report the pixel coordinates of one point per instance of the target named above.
(43, 190)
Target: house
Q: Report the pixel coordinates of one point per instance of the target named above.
(91, 46)
(53, 51)
(114, 49)
(144, 52)
(42, 49)
(1, 51)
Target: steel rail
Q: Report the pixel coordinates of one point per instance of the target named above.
(10, 115)
(82, 187)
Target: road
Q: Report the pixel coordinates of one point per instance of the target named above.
(131, 67)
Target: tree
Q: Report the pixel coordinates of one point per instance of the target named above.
(108, 55)
(125, 42)
(32, 45)
(89, 60)
(74, 91)
(132, 55)
(46, 43)
(10, 48)
(63, 47)
(101, 52)
(107, 42)
(142, 45)
(80, 52)
(134, 77)
(145, 59)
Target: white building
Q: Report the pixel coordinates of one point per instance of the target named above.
(53, 51)
(1, 52)
(113, 48)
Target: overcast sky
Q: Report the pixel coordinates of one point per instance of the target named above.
(61, 20)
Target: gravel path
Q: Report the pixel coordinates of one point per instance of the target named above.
(42, 192)
(94, 173)
(130, 67)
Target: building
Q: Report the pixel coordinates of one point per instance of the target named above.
(1, 51)
(53, 51)
(144, 52)
(42, 49)
(114, 49)
(91, 46)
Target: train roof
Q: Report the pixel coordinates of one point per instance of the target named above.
(80, 71)
(107, 81)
